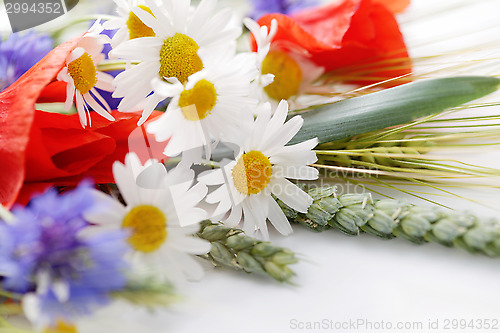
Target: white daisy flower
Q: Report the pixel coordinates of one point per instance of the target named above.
(83, 78)
(208, 106)
(292, 73)
(260, 169)
(173, 52)
(128, 25)
(161, 215)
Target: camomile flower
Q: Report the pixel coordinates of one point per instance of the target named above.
(82, 76)
(292, 72)
(260, 170)
(208, 106)
(173, 53)
(128, 24)
(160, 214)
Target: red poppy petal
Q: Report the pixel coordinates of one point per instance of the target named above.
(315, 29)
(291, 32)
(16, 116)
(368, 55)
(30, 190)
(62, 153)
(59, 147)
(395, 6)
(53, 93)
(329, 24)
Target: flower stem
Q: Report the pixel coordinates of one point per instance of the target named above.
(232, 248)
(114, 65)
(9, 295)
(387, 218)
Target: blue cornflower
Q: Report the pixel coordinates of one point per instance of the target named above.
(262, 7)
(47, 250)
(18, 53)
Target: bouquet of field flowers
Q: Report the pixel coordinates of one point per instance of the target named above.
(172, 135)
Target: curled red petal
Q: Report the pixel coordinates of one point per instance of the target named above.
(62, 153)
(16, 116)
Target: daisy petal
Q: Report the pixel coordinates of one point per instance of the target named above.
(278, 218)
(291, 195)
(190, 245)
(296, 172)
(70, 95)
(149, 46)
(126, 183)
(191, 268)
(97, 108)
(234, 218)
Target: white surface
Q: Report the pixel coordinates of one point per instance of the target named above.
(342, 278)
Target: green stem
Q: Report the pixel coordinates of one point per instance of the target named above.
(387, 218)
(114, 65)
(232, 248)
(10, 295)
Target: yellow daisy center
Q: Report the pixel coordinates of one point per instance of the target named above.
(149, 228)
(137, 28)
(83, 73)
(287, 75)
(178, 57)
(196, 103)
(252, 172)
(61, 327)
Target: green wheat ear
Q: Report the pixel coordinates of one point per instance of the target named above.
(396, 149)
(387, 218)
(232, 248)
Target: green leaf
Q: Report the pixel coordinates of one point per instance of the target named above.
(390, 107)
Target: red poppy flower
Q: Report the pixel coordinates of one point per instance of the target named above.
(17, 107)
(357, 39)
(62, 153)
